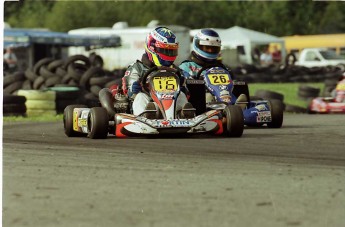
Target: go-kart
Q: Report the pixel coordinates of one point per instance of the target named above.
(324, 105)
(228, 92)
(163, 86)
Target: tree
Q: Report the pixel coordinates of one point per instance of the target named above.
(280, 18)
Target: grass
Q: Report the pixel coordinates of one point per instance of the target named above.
(41, 118)
(289, 90)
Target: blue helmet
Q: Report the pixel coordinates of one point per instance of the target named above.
(161, 46)
(207, 44)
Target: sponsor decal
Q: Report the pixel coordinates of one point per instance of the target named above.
(261, 107)
(82, 122)
(225, 98)
(173, 123)
(264, 116)
(167, 96)
(223, 87)
(217, 71)
(193, 68)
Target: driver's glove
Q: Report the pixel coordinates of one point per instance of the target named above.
(135, 89)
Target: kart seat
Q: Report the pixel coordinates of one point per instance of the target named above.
(242, 101)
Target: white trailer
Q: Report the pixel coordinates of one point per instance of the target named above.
(132, 44)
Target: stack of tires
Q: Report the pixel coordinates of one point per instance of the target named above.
(13, 82)
(306, 92)
(39, 102)
(271, 95)
(14, 105)
(76, 80)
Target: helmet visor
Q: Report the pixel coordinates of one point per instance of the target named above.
(167, 52)
(209, 49)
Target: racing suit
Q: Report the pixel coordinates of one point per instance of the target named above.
(191, 67)
(131, 86)
(340, 91)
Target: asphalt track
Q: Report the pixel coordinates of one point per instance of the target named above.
(293, 176)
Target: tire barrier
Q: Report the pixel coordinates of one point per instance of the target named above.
(76, 80)
(266, 94)
(285, 73)
(39, 102)
(14, 105)
(86, 75)
(66, 96)
(306, 92)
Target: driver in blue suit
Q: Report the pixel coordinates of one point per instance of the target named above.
(206, 51)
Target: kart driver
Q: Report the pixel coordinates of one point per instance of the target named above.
(206, 51)
(339, 91)
(161, 49)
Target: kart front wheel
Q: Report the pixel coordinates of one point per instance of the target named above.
(277, 111)
(234, 121)
(68, 121)
(98, 123)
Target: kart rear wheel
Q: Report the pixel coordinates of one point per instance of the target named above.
(98, 123)
(234, 124)
(68, 121)
(277, 111)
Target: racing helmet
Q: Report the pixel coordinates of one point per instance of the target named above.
(207, 44)
(161, 46)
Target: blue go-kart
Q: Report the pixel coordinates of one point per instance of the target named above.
(222, 90)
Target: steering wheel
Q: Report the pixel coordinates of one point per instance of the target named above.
(156, 68)
(208, 67)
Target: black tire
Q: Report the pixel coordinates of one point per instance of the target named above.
(52, 66)
(9, 79)
(255, 98)
(98, 123)
(40, 63)
(96, 60)
(50, 82)
(277, 113)
(68, 121)
(27, 85)
(76, 70)
(101, 81)
(95, 89)
(91, 72)
(266, 94)
(14, 109)
(29, 74)
(234, 124)
(76, 58)
(290, 59)
(306, 91)
(14, 99)
(46, 73)
(10, 89)
(61, 72)
(39, 81)
(107, 101)
(341, 67)
(91, 100)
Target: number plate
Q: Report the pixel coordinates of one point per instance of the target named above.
(219, 79)
(166, 83)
